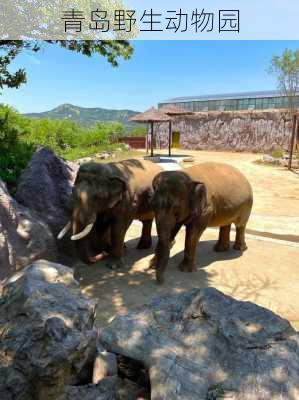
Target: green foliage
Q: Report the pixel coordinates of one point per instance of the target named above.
(9, 49)
(286, 68)
(19, 137)
(80, 152)
(66, 137)
(112, 50)
(139, 131)
(14, 154)
(277, 153)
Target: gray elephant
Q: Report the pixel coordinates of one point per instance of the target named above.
(205, 195)
(106, 199)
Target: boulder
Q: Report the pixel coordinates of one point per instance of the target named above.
(84, 160)
(24, 237)
(268, 159)
(105, 364)
(45, 186)
(47, 335)
(111, 388)
(105, 390)
(205, 345)
(104, 156)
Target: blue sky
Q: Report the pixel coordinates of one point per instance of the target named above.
(158, 70)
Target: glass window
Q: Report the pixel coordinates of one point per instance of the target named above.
(258, 104)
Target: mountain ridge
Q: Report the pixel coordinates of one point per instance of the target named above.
(87, 116)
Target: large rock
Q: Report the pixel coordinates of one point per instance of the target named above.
(24, 237)
(112, 388)
(205, 345)
(47, 336)
(45, 186)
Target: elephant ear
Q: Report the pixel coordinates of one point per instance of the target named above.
(198, 199)
(117, 187)
(158, 178)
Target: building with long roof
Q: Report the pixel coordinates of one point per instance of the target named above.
(261, 100)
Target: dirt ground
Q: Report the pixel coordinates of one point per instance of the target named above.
(267, 273)
(276, 192)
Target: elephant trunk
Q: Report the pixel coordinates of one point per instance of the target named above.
(163, 249)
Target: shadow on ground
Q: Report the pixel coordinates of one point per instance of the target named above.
(254, 275)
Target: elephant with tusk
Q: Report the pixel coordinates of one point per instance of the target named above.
(106, 199)
(205, 195)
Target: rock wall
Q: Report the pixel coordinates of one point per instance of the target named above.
(254, 131)
(24, 236)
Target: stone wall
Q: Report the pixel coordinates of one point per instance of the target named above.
(254, 131)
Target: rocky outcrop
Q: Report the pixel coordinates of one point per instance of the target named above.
(198, 345)
(253, 131)
(47, 335)
(45, 186)
(111, 388)
(205, 345)
(48, 346)
(24, 237)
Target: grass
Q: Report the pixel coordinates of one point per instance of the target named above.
(277, 154)
(75, 153)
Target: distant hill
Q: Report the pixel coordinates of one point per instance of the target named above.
(88, 116)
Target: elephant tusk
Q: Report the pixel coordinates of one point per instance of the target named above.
(64, 231)
(84, 233)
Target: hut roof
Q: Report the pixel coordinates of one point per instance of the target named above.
(151, 115)
(171, 109)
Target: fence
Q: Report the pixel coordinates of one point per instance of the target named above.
(136, 142)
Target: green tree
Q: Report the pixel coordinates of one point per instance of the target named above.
(139, 131)
(112, 50)
(14, 155)
(286, 68)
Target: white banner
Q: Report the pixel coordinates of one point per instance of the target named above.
(149, 19)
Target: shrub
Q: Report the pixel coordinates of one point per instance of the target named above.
(14, 161)
(14, 155)
(139, 131)
(277, 154)
(19, 137)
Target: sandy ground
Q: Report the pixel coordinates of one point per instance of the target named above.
(267, 273)
(276, 191)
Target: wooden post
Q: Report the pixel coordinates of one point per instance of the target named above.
(294, 132)
(146, 142)
(152, 139)
(169, 138)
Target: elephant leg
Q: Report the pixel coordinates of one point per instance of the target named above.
(175, 232)
(118, 232)
(161, 259)
(83, 250)
(223, 240)
(193, 233)
(145, 241)
(153, 261)
(240, 243)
